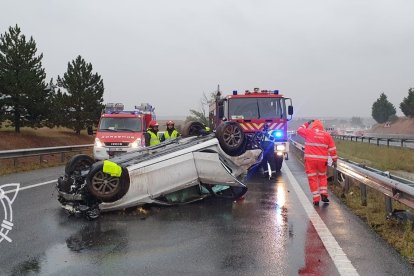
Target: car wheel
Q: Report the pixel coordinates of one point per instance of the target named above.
(232, 138)
(105, 187)
(193, 129)
(78, 163)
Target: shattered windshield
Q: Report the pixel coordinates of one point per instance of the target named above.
(257, 108)
(120, 124)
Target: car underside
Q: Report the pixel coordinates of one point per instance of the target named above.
(178, 171)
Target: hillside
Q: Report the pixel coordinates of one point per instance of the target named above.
(401, 126)
(42, 137)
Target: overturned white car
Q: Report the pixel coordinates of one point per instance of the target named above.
(178, 171)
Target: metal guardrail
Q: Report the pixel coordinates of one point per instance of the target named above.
(392, 187)
(389, 138)
(20, 153)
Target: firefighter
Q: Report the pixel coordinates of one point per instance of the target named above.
(171, 132)
(152, 134)
(318, 146)
(268, 154)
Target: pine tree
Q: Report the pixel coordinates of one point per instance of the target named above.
(84, 94)
(2, 106)
(407, 105)
(382, 109)
(23, 91)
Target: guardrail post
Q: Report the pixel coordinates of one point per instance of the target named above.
(14, 162)
(40, 159)
(378, 141)
(388, 142)
(388, 205)
(346, 184)
(363, 189)
(62, 157)
(402, 143)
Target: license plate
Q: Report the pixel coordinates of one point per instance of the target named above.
(116, 149)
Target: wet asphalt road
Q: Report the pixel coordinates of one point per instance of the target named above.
(266, 233)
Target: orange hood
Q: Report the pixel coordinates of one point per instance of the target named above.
(317, 125)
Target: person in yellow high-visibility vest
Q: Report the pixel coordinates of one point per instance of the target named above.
(171, 132)
(152, 132)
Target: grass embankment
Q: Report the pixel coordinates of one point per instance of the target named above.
(380, 157)
(38, 138)
(399, 234)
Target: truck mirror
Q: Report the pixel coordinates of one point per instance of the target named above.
(90, 130)
(290, 110)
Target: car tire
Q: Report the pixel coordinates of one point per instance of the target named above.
(78, 163)
(105, 187)
(231, 138)
(193, 128)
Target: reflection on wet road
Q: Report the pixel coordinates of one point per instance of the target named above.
(251, 236)
(265, 233)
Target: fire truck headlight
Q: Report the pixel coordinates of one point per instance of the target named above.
(277, 134)
(280, 147)
(136, 143)
(98, 143)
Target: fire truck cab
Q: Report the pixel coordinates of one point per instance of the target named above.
(257, 111)
(121, 131)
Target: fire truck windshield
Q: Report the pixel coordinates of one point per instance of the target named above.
(257, 108)
(120, 124)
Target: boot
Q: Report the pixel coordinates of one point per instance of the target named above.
(325, 198)
(316, 203)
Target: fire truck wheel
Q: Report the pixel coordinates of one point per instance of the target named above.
(232, 138)
(106, 187)
(78, 163)
(193, 129)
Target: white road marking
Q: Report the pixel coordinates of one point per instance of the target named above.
(341, 261)
(32, 186)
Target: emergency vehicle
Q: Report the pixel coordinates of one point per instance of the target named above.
(121, 131)
(256, 112)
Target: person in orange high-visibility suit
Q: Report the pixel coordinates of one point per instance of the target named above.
(318, 146)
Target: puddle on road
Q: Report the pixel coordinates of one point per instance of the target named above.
(92, 244)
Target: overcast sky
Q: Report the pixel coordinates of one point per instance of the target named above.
(332, 57)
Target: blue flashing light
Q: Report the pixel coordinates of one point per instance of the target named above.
(277, 134)
(234, 92)
(276, 92)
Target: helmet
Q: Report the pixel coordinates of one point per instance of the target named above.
(153, 123)
(170, 123)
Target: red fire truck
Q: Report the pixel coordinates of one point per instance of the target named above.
(259, 113)
(121, 131)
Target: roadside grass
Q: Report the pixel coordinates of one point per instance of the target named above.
(38, 138)
(399, 234)
(8, 166)
(379, 157)
(41, 137)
